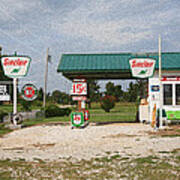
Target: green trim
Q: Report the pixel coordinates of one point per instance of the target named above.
(173, 115)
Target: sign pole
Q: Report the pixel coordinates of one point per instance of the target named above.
(14, 97)
(160, 85)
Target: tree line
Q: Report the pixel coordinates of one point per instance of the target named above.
(137, 89)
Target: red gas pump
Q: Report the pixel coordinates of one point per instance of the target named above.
(86, 115)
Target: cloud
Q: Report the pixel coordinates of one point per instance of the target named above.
(82, 26)
(102, 25)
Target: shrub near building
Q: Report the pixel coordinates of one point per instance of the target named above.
(2, 114)
(53, 111)
(107, 103)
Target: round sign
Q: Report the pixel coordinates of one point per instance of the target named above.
(29, 92)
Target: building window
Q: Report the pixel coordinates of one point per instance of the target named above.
(177, 94)
(167, 94)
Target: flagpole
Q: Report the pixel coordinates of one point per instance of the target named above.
(45, 79)
(160, 85)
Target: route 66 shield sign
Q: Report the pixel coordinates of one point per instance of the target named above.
(29, 92)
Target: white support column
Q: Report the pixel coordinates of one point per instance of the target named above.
(174, 94)
(14, 96)
(160, 85)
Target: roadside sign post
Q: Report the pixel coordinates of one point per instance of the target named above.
(79, 92)
(15, 67)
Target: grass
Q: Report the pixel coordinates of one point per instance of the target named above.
(107, 167)
(9, 107)
(4, 130)
(124, 112)
(33, 122)
(121, 112)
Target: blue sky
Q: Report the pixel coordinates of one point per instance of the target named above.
(29, 27)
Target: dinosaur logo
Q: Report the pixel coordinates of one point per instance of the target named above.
(15, 70)
(142, 72)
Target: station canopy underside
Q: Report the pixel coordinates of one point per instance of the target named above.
(111, 65)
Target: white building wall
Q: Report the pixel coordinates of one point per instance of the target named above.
(154, 96)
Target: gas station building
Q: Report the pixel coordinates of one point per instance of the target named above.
(116, 66)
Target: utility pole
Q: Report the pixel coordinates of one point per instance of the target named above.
(160, 85)
(45, 78)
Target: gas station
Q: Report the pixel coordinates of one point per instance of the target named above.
(120, 66)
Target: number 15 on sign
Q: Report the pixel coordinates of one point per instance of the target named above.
(79, 88)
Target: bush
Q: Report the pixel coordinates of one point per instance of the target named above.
(37, 103)
(2, 114)
(40, 114)
(26, 105)
(107, 103)
(53, 111)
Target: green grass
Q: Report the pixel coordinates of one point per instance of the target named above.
(46, 120)
(121, 112)
(107, 167)
(9, 107)
(4, 130)
(124, 112)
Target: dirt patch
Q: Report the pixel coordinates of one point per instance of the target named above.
(14, 149)
(50, 143)
(120, 135)
(172, 131)
(43, 146)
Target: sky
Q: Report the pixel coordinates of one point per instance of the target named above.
(84, 26)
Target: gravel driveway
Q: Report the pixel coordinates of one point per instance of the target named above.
(57, 142)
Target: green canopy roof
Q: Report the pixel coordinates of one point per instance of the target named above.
(110, 65)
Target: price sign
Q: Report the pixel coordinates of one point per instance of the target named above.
(79, 88)
(79, 98)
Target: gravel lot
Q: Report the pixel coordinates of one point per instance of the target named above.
(56, 142)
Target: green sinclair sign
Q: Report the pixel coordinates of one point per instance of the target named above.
(15, 66)
(77, 119)
(142, 67)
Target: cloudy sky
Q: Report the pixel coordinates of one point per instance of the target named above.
(30, 27)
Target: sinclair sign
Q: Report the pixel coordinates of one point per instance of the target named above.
(142, 67)
(15, 66)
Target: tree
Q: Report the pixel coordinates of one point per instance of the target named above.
(60, 97)
(56, 96)
(112, 90)
(118, 92)
(93, 92)
(40, 94)
(135, 90)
